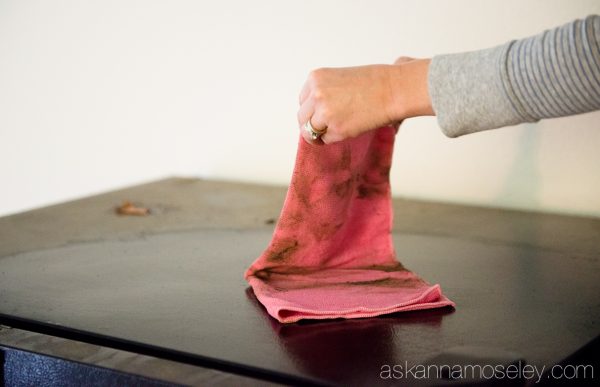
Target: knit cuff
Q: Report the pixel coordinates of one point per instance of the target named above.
(467, 93)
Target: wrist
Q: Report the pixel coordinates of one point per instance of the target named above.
(409, 90)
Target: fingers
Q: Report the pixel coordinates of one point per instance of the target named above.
(304, 93)
(307, 113)
(330, 137)
(318, 121)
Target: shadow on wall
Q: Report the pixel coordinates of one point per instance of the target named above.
(523, 180)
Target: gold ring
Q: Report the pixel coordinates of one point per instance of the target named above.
(314, 134)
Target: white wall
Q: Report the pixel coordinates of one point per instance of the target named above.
(103, 94)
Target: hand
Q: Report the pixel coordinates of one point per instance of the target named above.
(345, 102)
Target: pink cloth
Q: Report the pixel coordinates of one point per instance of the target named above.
(332, 253)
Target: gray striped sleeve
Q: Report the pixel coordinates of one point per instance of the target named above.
(553, 74)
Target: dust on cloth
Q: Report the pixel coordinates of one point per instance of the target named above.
(332, 255)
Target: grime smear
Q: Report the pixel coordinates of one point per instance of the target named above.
(344, 188)
(282, 249)
(365, 191)
(386, 282)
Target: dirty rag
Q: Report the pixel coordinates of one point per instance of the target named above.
(331, 254)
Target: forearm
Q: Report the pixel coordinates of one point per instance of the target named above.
(410, 93)
(553, 74)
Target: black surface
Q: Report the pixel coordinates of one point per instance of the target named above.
(183, 294)
(23, 368)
